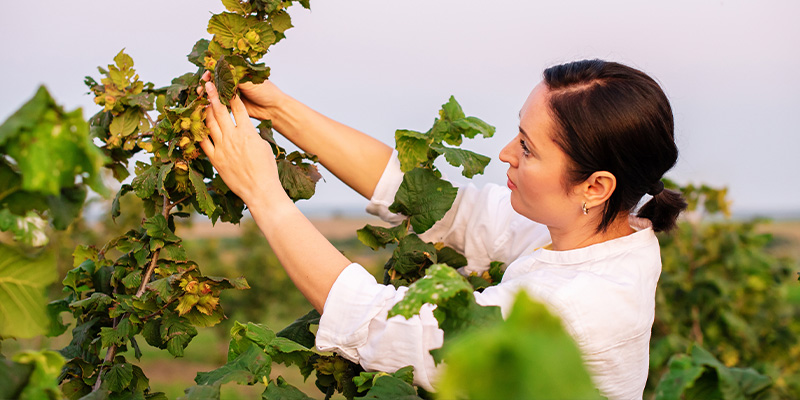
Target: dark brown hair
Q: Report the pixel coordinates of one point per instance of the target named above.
(615, 118)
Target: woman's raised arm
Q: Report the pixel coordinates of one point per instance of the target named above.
(246, 164)
(353, 156)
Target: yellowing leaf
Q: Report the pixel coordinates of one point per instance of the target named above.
(237, 6)
(22, 300)
(186, 303)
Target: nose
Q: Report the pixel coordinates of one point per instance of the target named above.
(508, 155)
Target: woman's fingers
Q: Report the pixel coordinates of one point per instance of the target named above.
(239, 111)
(213, 127)
(208, 148)
(221, 114)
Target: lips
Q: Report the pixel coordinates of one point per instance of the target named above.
(510, 184)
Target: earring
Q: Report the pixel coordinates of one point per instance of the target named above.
(585, 210)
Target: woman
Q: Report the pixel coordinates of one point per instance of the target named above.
(594, 138)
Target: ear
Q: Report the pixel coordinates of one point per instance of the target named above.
(598, 188)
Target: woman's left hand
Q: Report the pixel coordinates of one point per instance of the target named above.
(243, 159)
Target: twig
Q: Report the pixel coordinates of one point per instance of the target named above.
(149, 118)
(112, 351)
(153, 261)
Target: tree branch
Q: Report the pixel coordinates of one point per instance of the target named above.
(154, 260)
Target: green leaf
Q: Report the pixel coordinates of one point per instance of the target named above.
(227, 29)
(115, 206)
(204, 199)
(387, 387)
(412, 255)
(67, 207)
(118, 377)
(201, 392)
(51, 147)
(681, 375)
(249, 367)
(451, 111)
(176, 333)
(198, 52)
(378, 237)
(280, 390)
(423, 197)
(473, 163)
(365, 380)
(225, 81)
(299, 181)
(54, 310)
(132, 280)
(14, 378)
(439, 285)
(152, 333)
(158, 228)
(412, 148)
(111, 337)
(174, 252)
(126, 123)
(202, 320)
(471, 126)
(300, 330)
(179, 84)
(23, 303)
(530, 355)
(42, 383)
(447, 255)
(144, 184)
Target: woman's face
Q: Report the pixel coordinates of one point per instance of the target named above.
(537, 167)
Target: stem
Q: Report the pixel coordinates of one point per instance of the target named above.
(153, 261)
(112, 351)
(697, 332)
(149, 118)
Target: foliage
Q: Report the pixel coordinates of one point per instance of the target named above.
(721, 288)
(491, 363)
(701, 376)
(47, 160)
(31, 375)
(141, 283)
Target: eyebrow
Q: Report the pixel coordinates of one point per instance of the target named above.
(528, 138)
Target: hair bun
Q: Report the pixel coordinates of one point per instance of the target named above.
(657, 188)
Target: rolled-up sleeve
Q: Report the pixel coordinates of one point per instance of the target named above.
(354, 325)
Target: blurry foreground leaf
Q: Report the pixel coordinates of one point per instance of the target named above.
(530, 356)
(22, 300)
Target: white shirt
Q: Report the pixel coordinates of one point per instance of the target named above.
(604, 293)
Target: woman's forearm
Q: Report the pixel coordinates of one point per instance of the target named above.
(310, 260)
(353, 156)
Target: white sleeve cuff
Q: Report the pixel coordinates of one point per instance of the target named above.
(387, 186)
(354, 325)
(355, 298)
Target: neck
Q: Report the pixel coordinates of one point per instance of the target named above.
(586, 234)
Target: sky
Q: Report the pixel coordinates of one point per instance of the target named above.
(729, 69)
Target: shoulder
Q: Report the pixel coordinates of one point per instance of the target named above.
(605, 294)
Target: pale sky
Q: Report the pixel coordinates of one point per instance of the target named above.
(728, 67)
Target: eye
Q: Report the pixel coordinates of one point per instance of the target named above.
(525, 151)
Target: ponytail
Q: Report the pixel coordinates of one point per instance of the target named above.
(663, 210)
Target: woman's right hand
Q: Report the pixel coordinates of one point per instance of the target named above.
(261, 100)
